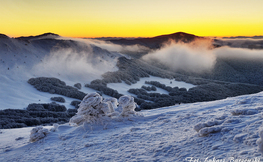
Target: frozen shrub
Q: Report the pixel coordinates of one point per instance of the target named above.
(35, 114)
(114, 102)
(91, 109)
(38, 133)
(72, 112)
(46, 107)
(128, 105)
(58, 99)
(55, 86)
(77, 85)
(35, 107)
(153, 88)
(103, 88)
(75, 104)
(55, 127)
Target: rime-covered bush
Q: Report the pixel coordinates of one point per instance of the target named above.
(92, 109)
(113, 103)
(55, 127)
(77, 85)
(38, 133)
(58, 99)
(128, 105)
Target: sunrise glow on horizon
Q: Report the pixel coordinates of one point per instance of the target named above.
(137, 18)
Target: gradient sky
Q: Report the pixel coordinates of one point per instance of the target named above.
(131, 18)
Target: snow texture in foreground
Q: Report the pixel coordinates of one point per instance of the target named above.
(165, 134)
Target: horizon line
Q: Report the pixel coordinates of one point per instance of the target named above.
(93, 37)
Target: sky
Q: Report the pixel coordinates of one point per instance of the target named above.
(131, 18)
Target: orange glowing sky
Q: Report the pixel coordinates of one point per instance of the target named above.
(131, 18)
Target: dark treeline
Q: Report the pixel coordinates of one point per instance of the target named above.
(35, 114)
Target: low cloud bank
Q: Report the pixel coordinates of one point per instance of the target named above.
(72, 65)
(194, 57)
(111, 46)
(198, 56)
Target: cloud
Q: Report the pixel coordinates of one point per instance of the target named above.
(111, 46)
(240, 43)
(71, 65)
(238, 53)
(195, 57)
(198, 56)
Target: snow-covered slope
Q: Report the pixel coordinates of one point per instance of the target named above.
(123, 87)
(228, 130)
(70, 61)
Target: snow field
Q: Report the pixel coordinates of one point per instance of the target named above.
(123, 88)
(165, 134)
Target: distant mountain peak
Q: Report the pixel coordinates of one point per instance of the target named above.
(156, 42)
(178, 35)
(45, 35)
(3, 36)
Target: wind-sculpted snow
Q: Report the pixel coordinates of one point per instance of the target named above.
(200, 126)
(238, 124)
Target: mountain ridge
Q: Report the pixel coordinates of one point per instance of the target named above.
(53, 35)
(157, 41)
